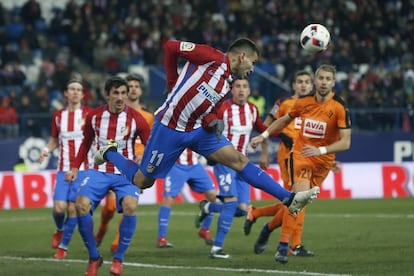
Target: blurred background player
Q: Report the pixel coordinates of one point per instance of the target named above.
(114, 122)
(188, 170)
(135, 84)
(67, 134)
(325, 130)
(240, 118)
(258, 100)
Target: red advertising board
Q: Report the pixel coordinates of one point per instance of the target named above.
(355, 180)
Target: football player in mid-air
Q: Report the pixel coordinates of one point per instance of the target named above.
(187, 119)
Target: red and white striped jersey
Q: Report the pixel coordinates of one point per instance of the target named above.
(124, 127)
(188, 157)
(202, 83)
(239, 122)
(67, 127)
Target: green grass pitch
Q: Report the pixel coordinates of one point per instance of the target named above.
(349, 237)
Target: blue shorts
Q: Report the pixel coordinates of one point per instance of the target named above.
(96, 185)
(64, 190)
(194, 175)
(231, 184)
(165, 146)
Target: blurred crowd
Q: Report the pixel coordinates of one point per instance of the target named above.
(371, 47)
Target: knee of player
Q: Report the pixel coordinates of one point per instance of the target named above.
(168, 201)
(59, 207)
(71, 209)
(143, 182)
(240, 162)
(211, 195)
(82, 205)
(235, 160)
(129, 205)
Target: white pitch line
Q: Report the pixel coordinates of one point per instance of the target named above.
(155, 266)
(147, 214)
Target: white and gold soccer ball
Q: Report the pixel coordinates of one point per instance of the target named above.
(315, 38)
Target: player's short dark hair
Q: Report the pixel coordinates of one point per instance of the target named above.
(302, 73)
(243, 44)
(135, 77)
(116, 82)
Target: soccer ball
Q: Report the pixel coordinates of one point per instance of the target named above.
(315, 38)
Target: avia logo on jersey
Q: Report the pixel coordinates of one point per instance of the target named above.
(314, 128)
(187, 46)
(208, 92)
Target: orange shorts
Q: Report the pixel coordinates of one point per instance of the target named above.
(307, 170)
(282, 159)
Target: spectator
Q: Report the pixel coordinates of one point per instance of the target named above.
(31, 12)
(9, 54)
(29, 35)
(12, 75)
(25, 54)
(14, 29)
(138, 30)
(9, 127)
(26, 111)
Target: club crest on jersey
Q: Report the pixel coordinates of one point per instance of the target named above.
(124, 131)
(187, 46)
(208, 92)
(150, 168)
(314, 128)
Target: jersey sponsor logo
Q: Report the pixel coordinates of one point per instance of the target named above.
(71, 135)
(240, 130)
(187, 46)
(314, 128)
(208, 92)
(121, 143)
(298, 123)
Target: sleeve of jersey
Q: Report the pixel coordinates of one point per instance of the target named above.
(260, 127)
(194, 53)
(143, 128)
(215, 114)
(275, 109)
(296, 109)
(88, 135)
(344, 120)
(171, 61)
(54, 129)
